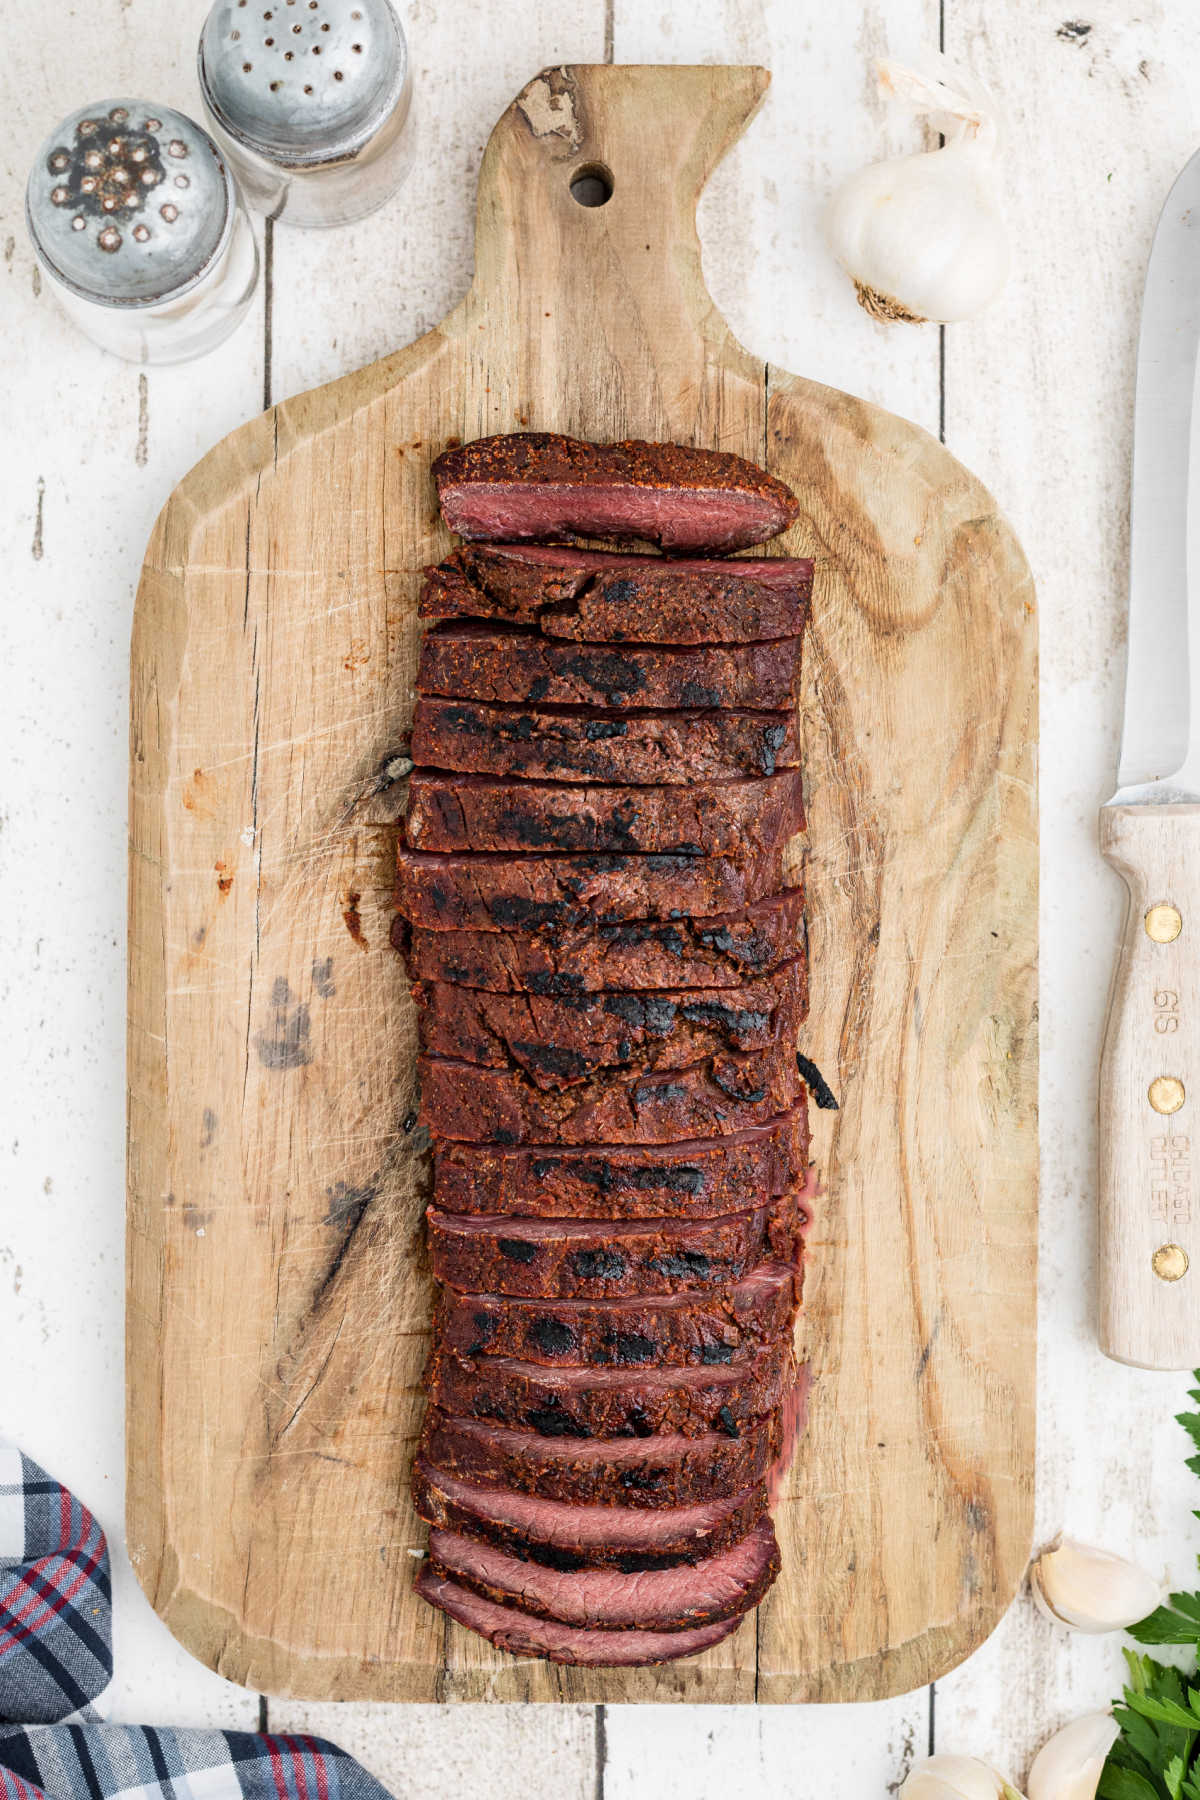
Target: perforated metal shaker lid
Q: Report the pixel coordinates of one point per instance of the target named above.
(129, 203)
(303, 82)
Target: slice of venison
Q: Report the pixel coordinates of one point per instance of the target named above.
(500, 665)
(563, 1535)
(501, 892)
(623, 1181)
(522, 1635)
(560, 1041)
(585, 745)
(561, 1258)
(542, 485)
(687, 1328)
(753, 816)
(723, 1586)
(721, 952)
(643, 1473)
(723, 1094)
(594, 597)
(580, 1402)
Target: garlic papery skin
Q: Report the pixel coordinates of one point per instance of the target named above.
(1091, 1590)
(1069, 1767)
(955, 1778)
(922, 236)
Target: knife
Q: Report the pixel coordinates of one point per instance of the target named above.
(1149, 1241)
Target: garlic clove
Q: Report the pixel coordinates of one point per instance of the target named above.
(955, 1778)
(1069, 1767)
(922, 236)
(1091, 1590)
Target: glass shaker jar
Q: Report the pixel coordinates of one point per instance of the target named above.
(136, 220)
(311, 102)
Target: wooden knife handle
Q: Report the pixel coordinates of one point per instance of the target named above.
(1150, 1094)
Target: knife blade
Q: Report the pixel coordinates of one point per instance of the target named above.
(1149, 1244)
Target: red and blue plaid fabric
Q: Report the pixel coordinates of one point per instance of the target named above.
(56, 1656)
(55, 1596)
(126, 1762)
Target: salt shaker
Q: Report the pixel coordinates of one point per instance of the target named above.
(136, 220)
(311, 102)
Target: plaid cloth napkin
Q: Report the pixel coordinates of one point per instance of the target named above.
(56, 1656)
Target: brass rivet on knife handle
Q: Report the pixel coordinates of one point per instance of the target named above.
(1167, 1094)
(1170, 1262)
(1163, 923)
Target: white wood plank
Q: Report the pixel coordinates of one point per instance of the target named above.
(1039, 398)
(91, 447)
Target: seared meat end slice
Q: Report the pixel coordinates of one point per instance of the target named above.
(724, 1586)
(597, 598)
(469, 660)
(570, 744)
(523, 1635)
(540, 485)
(744, 818)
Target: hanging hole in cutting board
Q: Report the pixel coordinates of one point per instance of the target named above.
(592, 185)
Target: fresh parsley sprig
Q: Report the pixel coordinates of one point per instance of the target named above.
(1157, 1756)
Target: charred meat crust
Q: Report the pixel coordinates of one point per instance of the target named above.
(522, 1635)
(564, 1258)
(538, 485)
(574, 745)
(725, 1584)
(596, 598)
(557, 893)
(712, 1098)
(644, 1473)
(688, 1328)
(576, 1402)
(634, 957)
(566, 1536)
(505, 666)
(561, 1041)
(744, 818)
(623, 1181)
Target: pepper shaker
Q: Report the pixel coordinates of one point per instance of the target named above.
(136, 220)
(311, 102)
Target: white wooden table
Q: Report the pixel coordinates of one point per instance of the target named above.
(1036, 397)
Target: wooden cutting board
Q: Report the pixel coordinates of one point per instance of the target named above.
(278, 1284)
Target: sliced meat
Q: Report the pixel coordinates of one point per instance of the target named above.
(622, 1181)
(522, 1635)
(541, 485)
(558, 1042)
(646, 1473)
(632, 1333)
(744, 818)
(559, 1258)
(541, 893)
(597, 598)
(575, 1402)
(722, 1587)
(563, 1536)
(583, 744)
(721, 952)
(710, 1099)
(468, 660)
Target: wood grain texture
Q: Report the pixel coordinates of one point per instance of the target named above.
(278, 1288)
(1146, 1203)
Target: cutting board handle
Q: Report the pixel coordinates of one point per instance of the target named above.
(644, 141)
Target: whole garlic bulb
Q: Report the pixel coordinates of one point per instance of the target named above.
(1091, 1590)
(955, 1778)
(922, 236)
(1069, 1767)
